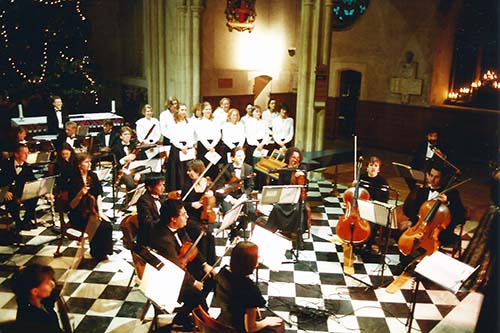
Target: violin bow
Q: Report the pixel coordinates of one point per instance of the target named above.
(197, 181)
(217, 262)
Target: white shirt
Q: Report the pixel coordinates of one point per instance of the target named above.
(166, 120)
(143, 126)
(430, 153)
(182, 132)
(208, 130)
(256, 129)
(220, 116)
(59, 119)
(233, 133)
(269, 116)
(282, 130)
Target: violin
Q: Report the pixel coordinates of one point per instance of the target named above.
(351, 228)
(188, 251)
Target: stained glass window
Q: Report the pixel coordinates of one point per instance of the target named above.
(346, 12)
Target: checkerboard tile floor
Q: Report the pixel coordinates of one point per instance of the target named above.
(99, 300)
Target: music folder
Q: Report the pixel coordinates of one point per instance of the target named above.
(37, 188)
(406, 171)
(444, 270)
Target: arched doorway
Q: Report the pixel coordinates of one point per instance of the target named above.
(349, 91)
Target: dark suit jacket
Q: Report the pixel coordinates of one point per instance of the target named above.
(61, 139)
(246, 173)
(163, 240)
(148, 215)
(118, 151)
(52, 122)
(16, 182)
(418, 196)
(101, 141)
(419, 160)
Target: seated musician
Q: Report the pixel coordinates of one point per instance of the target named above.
(66, 166)
(287, 217)
(16, 135)
(377, 186)
(436, 178)
(69, 136)
(84, 195)
(36, 294)
(14, 173)
(239, 297)
(107, 137)
(148, 206)
(236, 180)
(194, 207)
(125, 152)
(167, 238)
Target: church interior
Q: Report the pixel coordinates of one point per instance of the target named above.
(358, 77)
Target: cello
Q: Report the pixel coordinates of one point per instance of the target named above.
(351, 228)
(423, 236)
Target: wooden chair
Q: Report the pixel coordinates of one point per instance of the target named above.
(129, 227)
(206, 324)
(67, 230)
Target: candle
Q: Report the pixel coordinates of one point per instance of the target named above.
(20, 108)
(113, 106)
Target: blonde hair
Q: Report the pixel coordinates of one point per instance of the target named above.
(230, 112)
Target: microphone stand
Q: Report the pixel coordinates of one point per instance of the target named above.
(386, 240)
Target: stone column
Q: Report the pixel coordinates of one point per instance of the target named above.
(196, 45)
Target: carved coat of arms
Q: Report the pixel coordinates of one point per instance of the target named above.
(240, 15)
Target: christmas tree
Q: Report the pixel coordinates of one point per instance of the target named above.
(44, 52)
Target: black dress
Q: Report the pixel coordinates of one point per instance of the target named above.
(32, 319)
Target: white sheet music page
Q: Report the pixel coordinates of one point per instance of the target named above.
(444, 270)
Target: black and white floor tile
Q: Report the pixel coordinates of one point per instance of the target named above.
(312, 295)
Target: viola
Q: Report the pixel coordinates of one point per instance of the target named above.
(351, 228)
(208, 214)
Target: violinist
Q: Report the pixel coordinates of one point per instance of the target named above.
(124, 151)
(435, 178)
(195, 205)
(148, 206)
(85, 193)
(167, 238)
(236, 180)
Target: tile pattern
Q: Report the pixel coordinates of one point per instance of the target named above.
(312, 295)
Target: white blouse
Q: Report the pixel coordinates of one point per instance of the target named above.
(233, 133)
(269, 116)
(208, 130)
(182, 132)
(166, 121)
(282, 130)
(256, 129)
(142, 127)
(220, 116)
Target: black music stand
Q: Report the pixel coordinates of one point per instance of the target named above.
(382, 214)
(287, 194)
(406, 171)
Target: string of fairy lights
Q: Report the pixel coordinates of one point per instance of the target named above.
(38, 78)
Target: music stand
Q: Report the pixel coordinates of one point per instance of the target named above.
(37, 188)
(443, 270)
(232, 215)
(286, 194)
(382, 214)
(137, 193)
(406, 171)
(272, 246)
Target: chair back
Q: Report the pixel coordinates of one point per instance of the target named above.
(206, 324)
(129, 227)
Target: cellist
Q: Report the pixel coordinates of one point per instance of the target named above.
(194, 204)
(435, 179)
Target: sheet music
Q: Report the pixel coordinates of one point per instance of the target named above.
(260, 153)
(32, 158)
(169, 275)
(378, 212)
(445, 271)
(37, 188)
(272, 247)
(190, 155)
(213, 157)
(281, 194)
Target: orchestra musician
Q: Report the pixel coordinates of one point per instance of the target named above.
(69, 136)
(436, 180)
(148, 206)
(57, 117)
(239, 297)
(235, 181)
(14, 173)
(66, 166)
(125, 152)
(194, 207)
(16, 135)
(107, 137)
(84, 195)
(377, 186)
(167, 238)
(36, 294)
